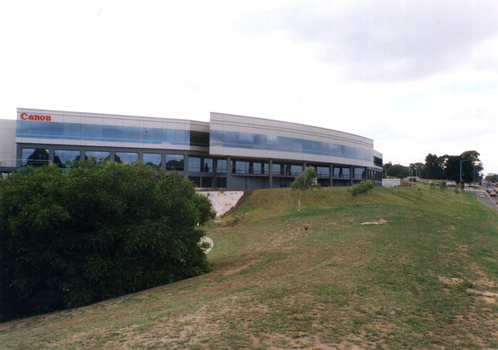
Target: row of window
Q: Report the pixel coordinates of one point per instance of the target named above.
(41, 156)
(110, 133)
(176, 162)
(234, 139)
(257, 168)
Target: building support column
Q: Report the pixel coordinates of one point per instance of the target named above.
(229, 173)
(331, 175)
(270, 173)
(351, 175)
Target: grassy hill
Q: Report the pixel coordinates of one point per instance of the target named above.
(427, 278)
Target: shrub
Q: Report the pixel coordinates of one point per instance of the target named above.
(98, 231)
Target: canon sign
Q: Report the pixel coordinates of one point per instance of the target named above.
(44, 118)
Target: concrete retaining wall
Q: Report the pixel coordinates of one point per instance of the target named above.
(392, 182)
(223, 201)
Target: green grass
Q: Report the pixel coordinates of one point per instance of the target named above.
(428, 278)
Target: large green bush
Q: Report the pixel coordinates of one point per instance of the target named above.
(97, 231)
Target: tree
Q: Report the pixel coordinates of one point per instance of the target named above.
(468, 162)
(433, 166)
(98, 231)
(491, 177)
(385, 169)
(443, 187)
(418, 169)
(304, 181)
(419, 195)
(204, 208)
(471, 166)
(432, 188)
(452, 168)
(399, 171)
(362, 189)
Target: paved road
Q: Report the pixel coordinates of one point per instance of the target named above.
(484, 197)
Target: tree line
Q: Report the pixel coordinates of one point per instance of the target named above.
(446, 167)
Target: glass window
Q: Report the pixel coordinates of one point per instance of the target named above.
(377, 161)
(112, 133)
(216, 138)
(221, 182)
(207, 182)
(259, 141)
(174, 162)
(152, 159)
(246, 139)
(34, 156)
(100, 156)
(221, 166)
(61, 156)
(125, 157)
(130, 134)
(194, 164)
(322, 171)
(208, 165)
(275, 168)
(257, 168)
(199, 139)
(241, 167)
(196, 180)
(345, 173)
(296, 170)
(359, 173)
(280, 143)
(337, 172)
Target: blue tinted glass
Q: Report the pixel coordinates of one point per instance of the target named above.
(215, 138)
(208, 165)
(246, 138)
(152, 159)
(275, 168)
(296, 169)
(34, 156)
(174, 162)
(286, 144)
(130, 133)
(109, 133)
(241, 167)
(221, 166)
(61, 156)
(322, 171)
(125, 157)
(194, 164)
(100, 156)
(78, 131)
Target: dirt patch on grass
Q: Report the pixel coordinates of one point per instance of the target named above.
(488, 297)
(450, 281)
(483, 279)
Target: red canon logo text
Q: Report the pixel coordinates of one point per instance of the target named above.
(45, 118)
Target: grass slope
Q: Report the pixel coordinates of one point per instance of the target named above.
(428, 278)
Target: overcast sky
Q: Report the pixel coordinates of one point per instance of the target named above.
(417, 77)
